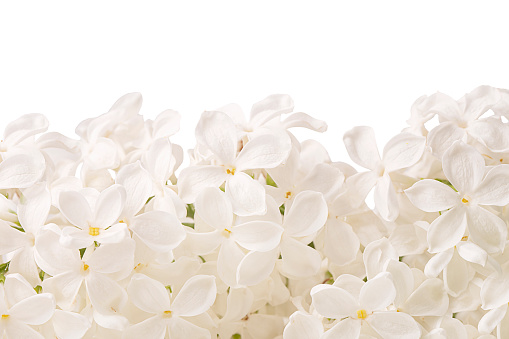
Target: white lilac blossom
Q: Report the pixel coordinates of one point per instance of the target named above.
(260, 235)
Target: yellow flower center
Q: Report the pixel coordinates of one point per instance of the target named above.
(5, 316)
(93, 231)
(288, 195)
(85, 267)
(464, 238)
(230, 171)
(361, 314)
(167, 314)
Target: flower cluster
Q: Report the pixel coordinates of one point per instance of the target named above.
(262, 235)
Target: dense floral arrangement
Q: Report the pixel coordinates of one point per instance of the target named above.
(262, 236)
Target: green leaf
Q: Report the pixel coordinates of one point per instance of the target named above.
(148, 200)
(38, 289)
(311, 244)
(188, 224)
(202, 259)
(282, 209)
(41, 275)
(236, 336)
(270, 181)
(190, 211)
(82, 251)
(168, 288)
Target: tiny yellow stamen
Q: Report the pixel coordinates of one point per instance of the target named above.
(501, 160)
(361, 314)
(464, 238)
(465, 201)
(122, 222)
(230, 171)
(288, 194)
(226, 233)
(93, 231)
(5, 316)
(167, 314)
(85, 267)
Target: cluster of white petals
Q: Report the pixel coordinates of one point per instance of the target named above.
(262, 236)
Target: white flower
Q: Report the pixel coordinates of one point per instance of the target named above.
(402, 151)
(20, 307)
(359, 302)
(195, 298)
(98, 225)
(217, 131)
(464, 168)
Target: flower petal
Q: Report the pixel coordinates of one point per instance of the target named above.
(109, 205)
(438, 262)
(161, 231)
(75, 208)
(112, 258)
(228, 260)
(11, 239)
(217, 131)
(24, 127)
(238, 303)
(443, 136)
(138, 186)
(303, 326)
(153, 327)
(214, 208)
(464, 167)
(193, 179)
(471, 252)
(301, 119)
(403, 151)
(196, 296)
(494, 189)
(345, 329)
(64, 287)
(148, 294)
(486, 229)
(183, 329)
(269, 108)
(307, 214)
(447, 230)
(104, 293)
(264, 151)
(20, 171)
(70, 324)
(377, 293)
(386, 201)
(429, 299)
(246, 195)
(341, 244)
(491, 319)
(158, 160)
(34, 208)
(299, 260)
(361, 146)
(432, 196)
(376, 255)
(34, 310)
(18, 329)
(456, 275)
(256, 267)
(394, 325)
(333, 302)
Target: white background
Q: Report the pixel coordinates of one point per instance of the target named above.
(349, 64)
